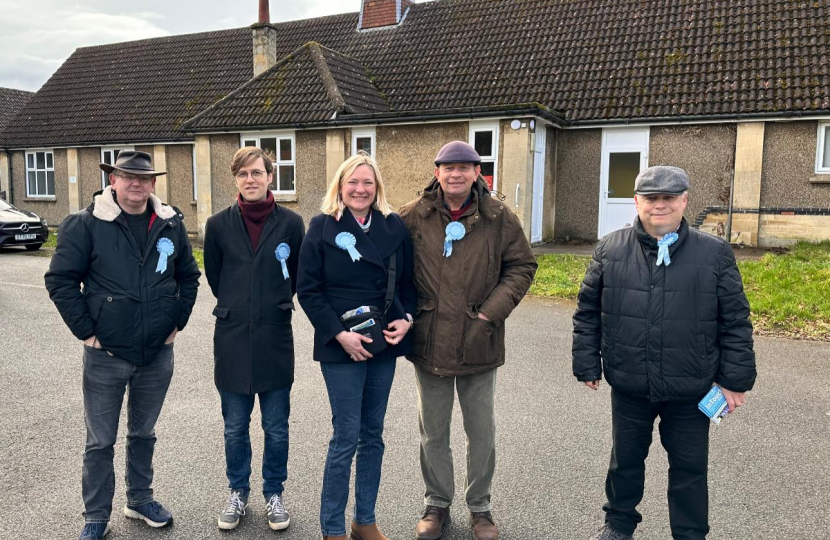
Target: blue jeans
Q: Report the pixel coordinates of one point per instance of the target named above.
(358, 393)
(274, 407)
(105, 380)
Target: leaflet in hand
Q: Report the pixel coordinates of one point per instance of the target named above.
(714, 405)
(352, 312)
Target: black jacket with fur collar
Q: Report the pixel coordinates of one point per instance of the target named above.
(128, 301)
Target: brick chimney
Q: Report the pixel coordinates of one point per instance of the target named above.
(380, 13)
(265, 40)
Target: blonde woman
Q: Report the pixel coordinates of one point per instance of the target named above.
(346, 260)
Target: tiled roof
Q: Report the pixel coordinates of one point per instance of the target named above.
(136, 91)
(593, 59)
(11, 102)
(312, 84)
(584, 60)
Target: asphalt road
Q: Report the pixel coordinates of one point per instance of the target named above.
(770, 463)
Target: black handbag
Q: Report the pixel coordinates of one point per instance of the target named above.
(371, 322)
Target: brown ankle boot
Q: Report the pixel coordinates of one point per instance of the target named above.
(366, 532)
(483, 526)
(432, 523)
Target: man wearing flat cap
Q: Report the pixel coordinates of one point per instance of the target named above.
(124, 280)
(473, 265)
(663, 313)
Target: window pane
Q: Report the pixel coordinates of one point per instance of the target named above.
(623, 169)
(286, 177)
(285, 150)
(50, 182)
(41, 160)
(483, 142)
(115, 155)
(107, 157)
(487, 170)
(32, 187)
(41, 183)
(269, 146)
(31, 160)
(49, 163)
(825, 161)
(365, 144)
(250, 143)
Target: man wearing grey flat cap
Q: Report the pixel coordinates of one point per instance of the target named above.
(124, 279)
(662, 313)
(473, 265)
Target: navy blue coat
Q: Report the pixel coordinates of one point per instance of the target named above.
(330, 284)
(253, 343)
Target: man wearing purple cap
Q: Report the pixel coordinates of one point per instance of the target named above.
(662, 313)
(473, 265)
(124, 279)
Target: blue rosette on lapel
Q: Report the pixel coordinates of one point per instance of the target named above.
(165, 248)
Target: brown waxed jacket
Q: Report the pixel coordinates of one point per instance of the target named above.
(489, 272)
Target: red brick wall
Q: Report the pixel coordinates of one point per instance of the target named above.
(377, 13)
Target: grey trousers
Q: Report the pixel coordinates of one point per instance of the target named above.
(476, 395)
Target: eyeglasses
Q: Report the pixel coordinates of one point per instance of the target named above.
(144, 179)
(256, 175)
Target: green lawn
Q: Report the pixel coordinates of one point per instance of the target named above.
(789, 293)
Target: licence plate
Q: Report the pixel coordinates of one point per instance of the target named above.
(25, 236)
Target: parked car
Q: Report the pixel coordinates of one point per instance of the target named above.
(21, 228)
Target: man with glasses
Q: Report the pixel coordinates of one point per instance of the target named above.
(124, 280)
(251, 254)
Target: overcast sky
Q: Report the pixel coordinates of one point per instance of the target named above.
(37, 36)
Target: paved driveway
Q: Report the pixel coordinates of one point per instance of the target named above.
(770, 466)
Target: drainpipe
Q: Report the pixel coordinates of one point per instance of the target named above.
(729, 215)
(11, 176)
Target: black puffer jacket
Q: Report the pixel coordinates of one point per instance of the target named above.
(129, 306)
(664, 332)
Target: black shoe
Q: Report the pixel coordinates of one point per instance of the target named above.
(607, 532)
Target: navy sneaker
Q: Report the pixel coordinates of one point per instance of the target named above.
(94, 531)
(152, 513)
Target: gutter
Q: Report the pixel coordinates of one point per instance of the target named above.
(696, 119)
(393, 118)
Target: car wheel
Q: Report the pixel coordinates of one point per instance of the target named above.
(33, 247)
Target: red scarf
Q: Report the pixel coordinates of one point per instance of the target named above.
(255, 214)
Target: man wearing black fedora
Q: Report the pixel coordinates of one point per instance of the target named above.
(124, 280)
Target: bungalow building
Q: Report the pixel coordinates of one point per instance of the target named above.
(11, 103)
(565, 101)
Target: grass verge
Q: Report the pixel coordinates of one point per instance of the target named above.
(789, 293)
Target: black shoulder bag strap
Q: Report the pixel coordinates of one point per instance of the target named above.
(390, 285)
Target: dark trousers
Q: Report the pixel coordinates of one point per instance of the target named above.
(684, 433)
(105, 380)
(358, 393)
(274, 407)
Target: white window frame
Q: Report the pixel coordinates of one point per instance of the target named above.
(46, 170)
(823, 128)
(104, 176)
(279, 135)
(361, 133)
(491, 126)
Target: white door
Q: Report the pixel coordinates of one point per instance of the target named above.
(537, 208)
(624, 155)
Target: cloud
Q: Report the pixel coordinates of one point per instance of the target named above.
(37, 37)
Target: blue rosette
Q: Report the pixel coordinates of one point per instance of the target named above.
(165, 248)
(663, 248)
(346, 241)
(455, 231)
(282, 252)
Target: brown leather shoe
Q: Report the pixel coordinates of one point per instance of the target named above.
(336, 538)
(432, 523)
(483, 526)
(366, 532)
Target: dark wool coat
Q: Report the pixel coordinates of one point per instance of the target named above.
(129, 306)
(663, 332)
(253, 344)
(330, 284)
(489, 272)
